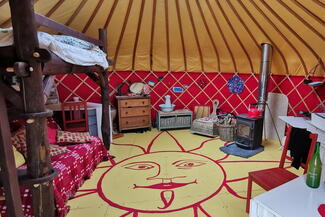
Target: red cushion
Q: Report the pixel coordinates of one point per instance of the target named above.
(52, 124)
(52, 135)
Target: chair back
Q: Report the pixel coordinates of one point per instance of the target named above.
(284, 155)
(201, 111)
(75, 116)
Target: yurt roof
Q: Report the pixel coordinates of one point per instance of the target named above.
(198, 35)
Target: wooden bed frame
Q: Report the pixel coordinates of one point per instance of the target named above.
(29, 62)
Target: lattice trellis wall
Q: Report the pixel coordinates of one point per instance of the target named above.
(199, 89)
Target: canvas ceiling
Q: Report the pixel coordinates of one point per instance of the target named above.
(198, 35)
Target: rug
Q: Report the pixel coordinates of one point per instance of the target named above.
(170, 174)
(233, 149)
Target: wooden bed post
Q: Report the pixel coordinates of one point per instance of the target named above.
(38, 159)
(103, 80)
(8, 169)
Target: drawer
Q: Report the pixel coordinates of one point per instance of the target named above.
(135, 111)
(134, 122)
(134, 102)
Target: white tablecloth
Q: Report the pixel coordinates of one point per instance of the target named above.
(293, 199)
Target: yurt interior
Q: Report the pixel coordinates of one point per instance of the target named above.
(162, 108)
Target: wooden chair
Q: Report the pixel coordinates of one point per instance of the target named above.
(274, 177)
(201, 111)
(75, 116)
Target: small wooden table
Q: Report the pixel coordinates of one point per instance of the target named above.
(176, 119)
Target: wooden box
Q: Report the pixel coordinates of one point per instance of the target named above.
(205, 127)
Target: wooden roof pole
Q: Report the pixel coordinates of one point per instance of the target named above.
(38, 159)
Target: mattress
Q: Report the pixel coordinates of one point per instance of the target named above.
(69, 49)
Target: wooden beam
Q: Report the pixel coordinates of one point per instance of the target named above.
(7, 163)
(12, 96)
(38, 158)
(103, 77)
(59, 66)
(58, 27)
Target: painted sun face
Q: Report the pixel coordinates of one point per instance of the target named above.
(161, 181)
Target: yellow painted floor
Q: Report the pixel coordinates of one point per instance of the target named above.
(170, 174)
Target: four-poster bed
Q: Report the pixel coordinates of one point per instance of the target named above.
(26, 60)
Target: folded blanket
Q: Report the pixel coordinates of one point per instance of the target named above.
(70, 49)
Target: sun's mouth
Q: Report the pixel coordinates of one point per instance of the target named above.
(170, 185)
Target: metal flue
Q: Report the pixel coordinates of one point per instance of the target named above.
(264, 75)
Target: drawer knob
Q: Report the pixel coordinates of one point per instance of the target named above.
(126, 122)
(142, 102)
(143, 120)
(144, 111)
(126, 112)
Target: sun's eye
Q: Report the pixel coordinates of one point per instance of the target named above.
(187, 164)
(139, 166)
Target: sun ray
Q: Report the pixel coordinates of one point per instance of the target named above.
(236, 180)
(84, 194)
(136, 146)
(203, 210)
(177, 142)
(231, 191)
(202, 144)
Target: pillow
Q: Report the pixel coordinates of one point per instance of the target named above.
(19, 158)
(52, 124)
(52, 135)
(56, 150)
(18, 139)
(73, 137)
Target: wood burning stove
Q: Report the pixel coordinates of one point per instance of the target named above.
(250, 129)
(249, 132)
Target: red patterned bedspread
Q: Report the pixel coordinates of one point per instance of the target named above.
(74, 167)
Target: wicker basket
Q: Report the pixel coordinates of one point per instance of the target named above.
(227, 132)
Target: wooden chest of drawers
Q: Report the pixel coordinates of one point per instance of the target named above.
(133, 112)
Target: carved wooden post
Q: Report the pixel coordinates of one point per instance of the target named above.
(8, 169)
(105, 96)
(38, 159)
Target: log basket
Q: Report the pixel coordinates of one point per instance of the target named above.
(227, 132)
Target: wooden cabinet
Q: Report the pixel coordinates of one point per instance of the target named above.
(134, 112)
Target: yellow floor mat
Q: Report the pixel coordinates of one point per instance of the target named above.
(170, 174)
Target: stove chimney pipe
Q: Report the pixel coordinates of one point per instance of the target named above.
(264, 75)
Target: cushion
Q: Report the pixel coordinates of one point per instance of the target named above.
(56, 150)
(19, 158)
(52, 124)
(18, 139)
(52, 135)
(73, 137)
